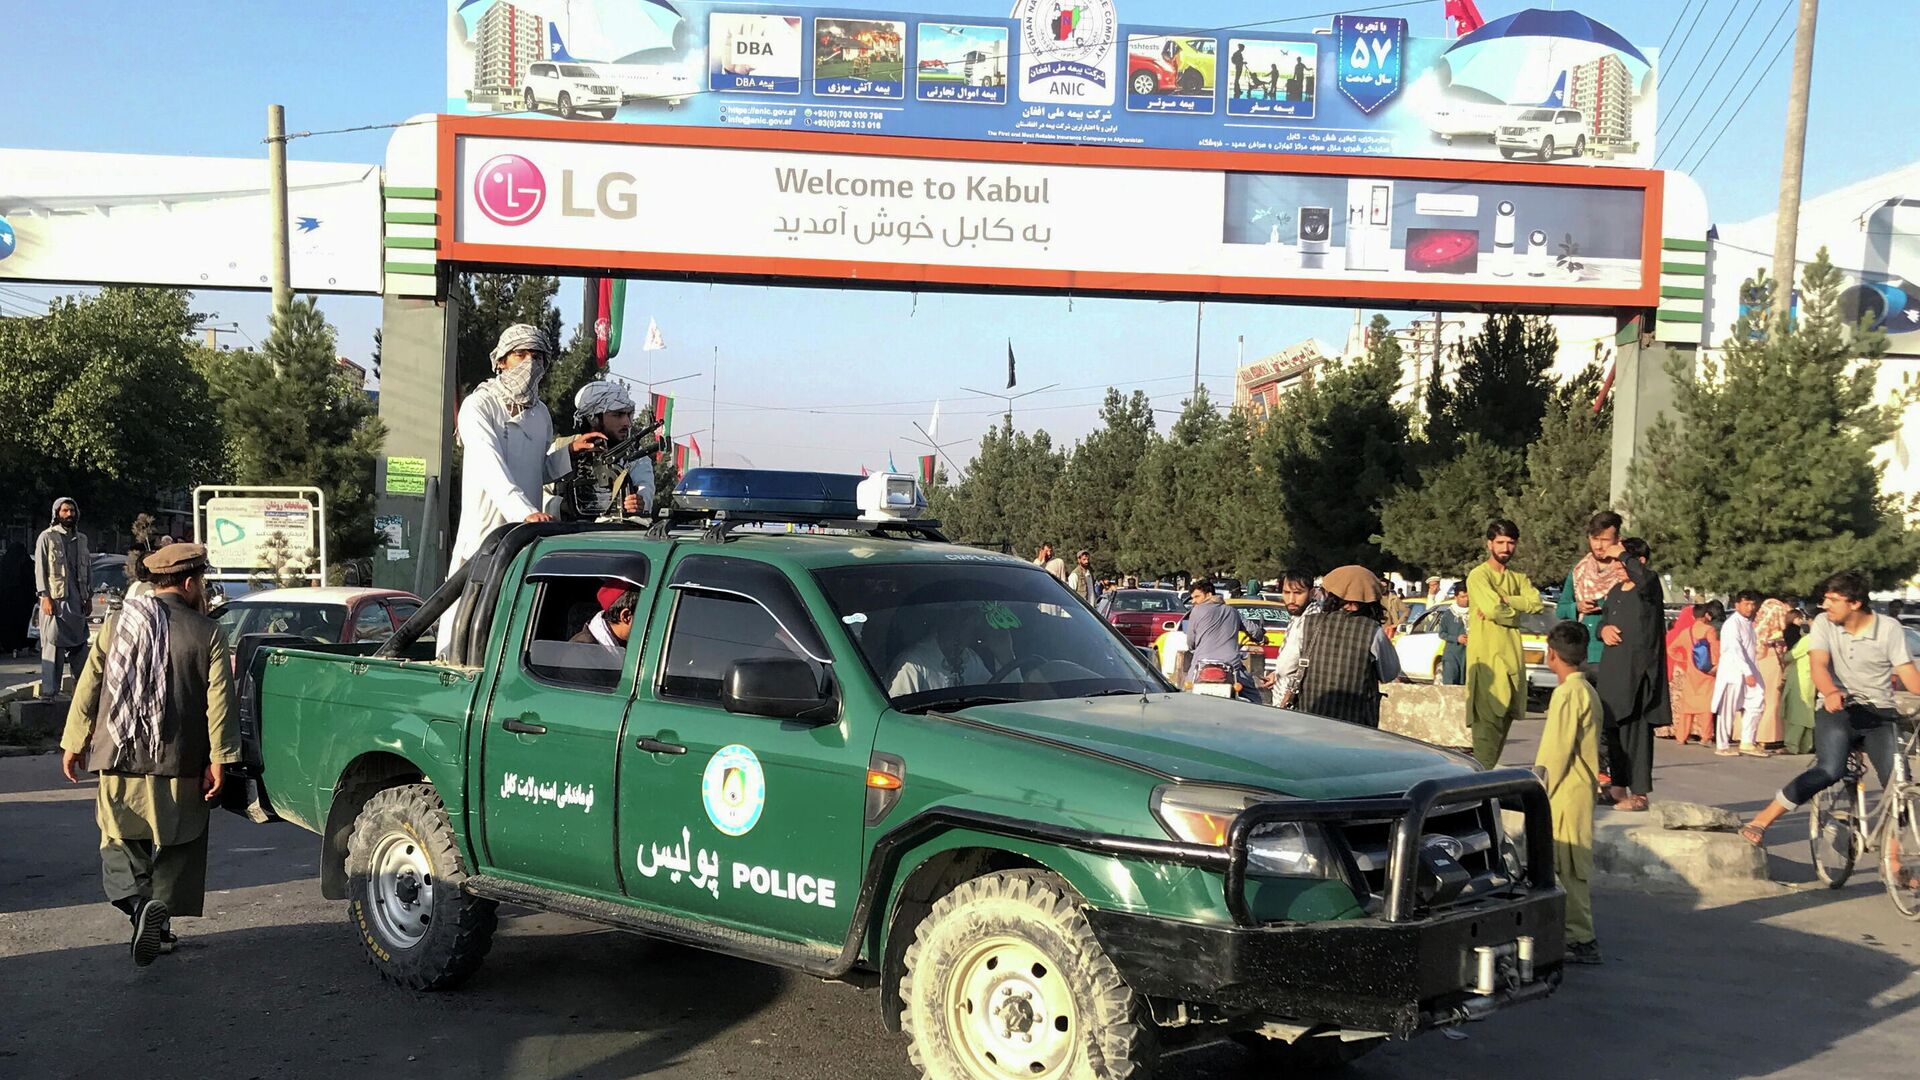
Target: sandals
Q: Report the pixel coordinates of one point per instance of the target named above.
(1633, 804)
(1754, 835)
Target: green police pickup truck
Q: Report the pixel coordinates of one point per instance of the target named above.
(853, 749)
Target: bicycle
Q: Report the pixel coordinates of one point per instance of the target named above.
(1834, 827)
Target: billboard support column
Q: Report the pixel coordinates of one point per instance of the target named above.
(417, 402)
(1643, 392)
(277, 198)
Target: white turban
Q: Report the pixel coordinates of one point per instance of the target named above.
(521, 336)
(601, 396)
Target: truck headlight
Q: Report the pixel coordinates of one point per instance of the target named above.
(1197, 814)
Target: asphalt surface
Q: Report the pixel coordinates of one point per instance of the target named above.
(272, 983)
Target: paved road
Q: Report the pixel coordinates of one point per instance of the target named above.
(272, 984)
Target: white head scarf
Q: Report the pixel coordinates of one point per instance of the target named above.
(600, 396)
(520, 387)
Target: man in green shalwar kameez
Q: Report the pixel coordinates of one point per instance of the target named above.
(153, 715)
(1496, 666)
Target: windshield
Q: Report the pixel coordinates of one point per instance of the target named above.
(315, 622)
(1538, 623)
(578, 71)
(1148, 601)
(1265, 614)
(946, 636)
(1537, 114)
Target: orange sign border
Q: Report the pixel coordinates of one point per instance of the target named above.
(905, 275)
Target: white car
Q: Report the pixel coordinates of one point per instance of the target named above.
(1418, 645)
(1543, 133)
(570, 89)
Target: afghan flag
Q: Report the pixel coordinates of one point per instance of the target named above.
(663, 411)
(926, 469)
(694, 444)
(681, 452)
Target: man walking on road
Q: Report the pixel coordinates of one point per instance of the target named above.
(1496, 665)
(1737, 694)
(1081, 579)
(153, 715)
(62, 577)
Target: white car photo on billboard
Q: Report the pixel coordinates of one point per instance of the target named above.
(754, 54)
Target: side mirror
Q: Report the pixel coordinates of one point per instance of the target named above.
(777, 686)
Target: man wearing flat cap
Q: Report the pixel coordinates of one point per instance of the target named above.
(1338, 657)
(153, 715)
(507, 435)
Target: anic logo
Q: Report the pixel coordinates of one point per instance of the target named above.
(1067, 50)
(510, 190)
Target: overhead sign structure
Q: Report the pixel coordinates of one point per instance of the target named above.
(145, 219)
(797, 205)
(1550, 85)
(265, 530)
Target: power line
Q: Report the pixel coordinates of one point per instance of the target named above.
(1784, 42)
(1732, 7)
(292, 135)
(1752, 58)
(1677, 19)
(1682, 47)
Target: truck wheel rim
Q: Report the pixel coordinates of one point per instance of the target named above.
(402, 890)
(1011, 1011)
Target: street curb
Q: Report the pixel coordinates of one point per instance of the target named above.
(1633, 852)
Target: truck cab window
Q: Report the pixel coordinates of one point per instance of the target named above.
(712, 631)
(572, 640)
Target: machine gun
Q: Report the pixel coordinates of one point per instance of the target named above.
(590, 487)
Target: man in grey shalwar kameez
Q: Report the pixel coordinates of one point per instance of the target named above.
(60, 575)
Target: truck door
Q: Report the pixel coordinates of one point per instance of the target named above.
(546, 773)
(746, 820)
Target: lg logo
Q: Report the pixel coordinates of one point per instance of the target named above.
(510, 190)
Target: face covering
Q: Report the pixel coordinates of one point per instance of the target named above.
(520, 386)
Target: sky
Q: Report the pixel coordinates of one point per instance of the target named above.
(821, 378)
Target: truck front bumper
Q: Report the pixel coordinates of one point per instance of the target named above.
(1360, 974)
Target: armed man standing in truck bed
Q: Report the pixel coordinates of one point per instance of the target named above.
(153, 715)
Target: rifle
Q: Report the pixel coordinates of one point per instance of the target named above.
(590, 489)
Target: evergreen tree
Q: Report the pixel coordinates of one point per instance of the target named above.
(294, 416)
(573, 369)
(1171, 526)
(488, 304)
(106, 405)
(1006, 502)
(1500, 391)
(1096, 490)
(1763, 476)
(1333, 452)
(1567, 479)
(1437, 526)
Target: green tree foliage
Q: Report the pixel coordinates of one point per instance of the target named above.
(1438, 524)
(104, 404)
(572, 369)
(1501, 389)
(1006, 501)
(1331, 453)
(1096, 494)
(294, 416)
(1763, 476)
(1568, 477)
(488, 304)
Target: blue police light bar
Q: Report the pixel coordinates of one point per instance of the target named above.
(741, 492)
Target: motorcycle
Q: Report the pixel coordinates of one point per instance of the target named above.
(1215, 679)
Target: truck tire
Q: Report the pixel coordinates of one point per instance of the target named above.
(1312, 1054)
(1005, 979)
(404, 871)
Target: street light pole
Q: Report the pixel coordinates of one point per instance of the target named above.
(1786, 231)
(1009, 399)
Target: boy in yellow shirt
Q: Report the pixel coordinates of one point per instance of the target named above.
(1569, 763)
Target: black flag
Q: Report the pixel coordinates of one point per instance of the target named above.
(1009, 363)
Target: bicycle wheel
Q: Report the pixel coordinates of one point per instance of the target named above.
(1900, 862)
(1833, 833)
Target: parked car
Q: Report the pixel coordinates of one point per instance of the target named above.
(1142, 615)
(1418, 645)
(1266, 621)
(570, 89)
(1544, 133)
(1172, 65)
(328, 616)
(1044, 855)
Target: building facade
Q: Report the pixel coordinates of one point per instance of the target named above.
(506, 41)
(1603, 91)
(1261, 383)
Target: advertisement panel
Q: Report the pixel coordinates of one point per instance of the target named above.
(237, 528)
(1543, 85)
(766, 203)
(196, 222)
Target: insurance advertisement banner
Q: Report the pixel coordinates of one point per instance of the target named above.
(764, 204)
(148, 219)
(1540, 85)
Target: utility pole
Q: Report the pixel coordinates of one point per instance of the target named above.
(713, 407)
(277, 190)
(1786, 233)
(1199, 311)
